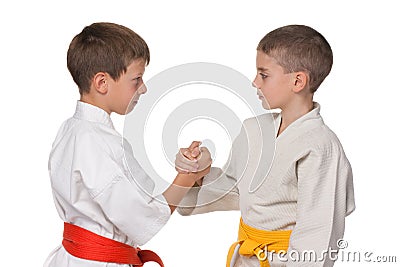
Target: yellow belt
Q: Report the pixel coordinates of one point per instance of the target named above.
(255, 242)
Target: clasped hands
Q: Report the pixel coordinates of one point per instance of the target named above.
(194, 159)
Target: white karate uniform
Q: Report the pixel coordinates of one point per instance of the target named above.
(307, 189)
(98, 185)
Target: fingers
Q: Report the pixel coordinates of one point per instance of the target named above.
(195, 152)
(193, 159)
(204, 160)
(183, 164)
(185, 152)
(194, 144)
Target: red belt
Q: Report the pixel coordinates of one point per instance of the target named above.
(86, 245)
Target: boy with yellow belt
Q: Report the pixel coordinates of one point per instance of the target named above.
(305, 190)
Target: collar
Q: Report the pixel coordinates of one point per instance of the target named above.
(308, 117)
(88, 112)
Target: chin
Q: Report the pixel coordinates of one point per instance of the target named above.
(127, 111)
(265, 105)
(130, 108)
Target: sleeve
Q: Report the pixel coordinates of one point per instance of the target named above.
(217, 193)
(325, 197)
(124, 196)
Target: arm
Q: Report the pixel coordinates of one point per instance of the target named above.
(324, 188)
(181, 185)
(120, 190)
(218, 192)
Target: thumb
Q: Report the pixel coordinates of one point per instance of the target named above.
(194, 144)
(195, 152)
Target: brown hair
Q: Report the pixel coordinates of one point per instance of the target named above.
(300, 48)
(103, 47)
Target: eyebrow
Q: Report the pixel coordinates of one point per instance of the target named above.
(262, 69)
(137, 74)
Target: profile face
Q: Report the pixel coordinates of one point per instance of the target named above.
(271, 81)
(126, 91)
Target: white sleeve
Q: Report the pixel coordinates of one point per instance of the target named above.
(130, 212)
(123, 195)
(217, 193)
(325, 197)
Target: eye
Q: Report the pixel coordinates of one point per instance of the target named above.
(263, 76)
(137, 80)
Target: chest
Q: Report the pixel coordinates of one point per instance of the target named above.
(271, 173)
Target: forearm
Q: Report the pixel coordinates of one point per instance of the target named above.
(178, 189)
(217, 193)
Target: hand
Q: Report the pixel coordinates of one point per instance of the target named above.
(181, 185)
(193, 151)
(193, 158)
(198, 176)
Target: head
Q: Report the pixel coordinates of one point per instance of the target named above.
(291, 59)
(107, 62)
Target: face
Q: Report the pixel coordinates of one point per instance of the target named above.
(124, 93)
(273, 85)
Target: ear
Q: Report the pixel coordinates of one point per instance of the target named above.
(300, 81)
(100, 82)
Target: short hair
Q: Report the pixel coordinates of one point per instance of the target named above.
(299, 48)
(104, 47)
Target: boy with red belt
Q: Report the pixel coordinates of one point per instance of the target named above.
(101, 193)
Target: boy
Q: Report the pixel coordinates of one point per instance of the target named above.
(301, 204)
(100, 191)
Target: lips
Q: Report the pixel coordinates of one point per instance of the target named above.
(260, 95)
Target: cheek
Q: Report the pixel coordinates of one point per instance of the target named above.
(270, 90)
(132, 90)
(266, 87)
(127, 95)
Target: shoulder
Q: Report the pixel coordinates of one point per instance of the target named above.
(263, 121)
(324, 137)
(263, 118)
(94, 137)
(323, 143)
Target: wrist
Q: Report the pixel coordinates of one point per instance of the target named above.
(185, 179)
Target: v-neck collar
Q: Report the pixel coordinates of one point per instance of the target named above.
(311, 115)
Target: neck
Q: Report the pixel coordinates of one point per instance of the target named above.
(292, 112)
(87, 98)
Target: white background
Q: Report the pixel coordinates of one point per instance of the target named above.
(359, 102)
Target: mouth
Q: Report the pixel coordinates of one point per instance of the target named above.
(260, 95)
(133, 103)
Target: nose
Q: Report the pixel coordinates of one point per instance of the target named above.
(255, 85)
(143, 89)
